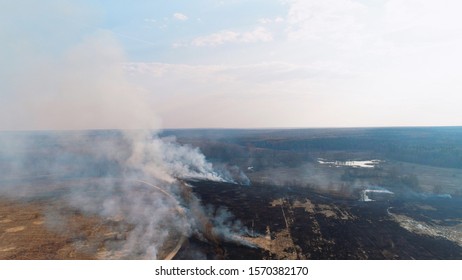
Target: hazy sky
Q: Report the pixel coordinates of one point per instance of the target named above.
(201, 63)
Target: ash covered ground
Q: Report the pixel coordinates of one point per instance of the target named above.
(389, 193)
(297, 223)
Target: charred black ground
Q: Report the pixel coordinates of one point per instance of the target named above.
(356, 193)
(353, 193)
(370, 233)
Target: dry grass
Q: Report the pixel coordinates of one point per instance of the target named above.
(24, 235)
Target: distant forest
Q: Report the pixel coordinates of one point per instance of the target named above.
(433, 146)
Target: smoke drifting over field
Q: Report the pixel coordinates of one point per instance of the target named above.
(82, 87)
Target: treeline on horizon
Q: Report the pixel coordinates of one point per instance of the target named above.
(433, 146)
(440, 147)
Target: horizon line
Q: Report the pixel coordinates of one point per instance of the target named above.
(232, 128)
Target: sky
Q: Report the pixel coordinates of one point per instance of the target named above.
(229, 64)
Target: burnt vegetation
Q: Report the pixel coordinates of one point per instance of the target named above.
(292, 197)
(335, 229)
(409, 155)
(327, 220)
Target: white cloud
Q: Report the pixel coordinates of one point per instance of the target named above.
(337, 22)
(340, 63)
(188, 95)
(270, 20)
(374, 27)
(267, 72)
(215, 39)
(177, 45)
(265, 20)
(180, 16)
(259, 34)
(405, 14)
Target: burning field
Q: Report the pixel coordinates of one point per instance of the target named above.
(222, 221)
(86, 171)
(125, 195)
(99, 195)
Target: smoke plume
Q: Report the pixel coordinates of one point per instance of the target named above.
(94, 133)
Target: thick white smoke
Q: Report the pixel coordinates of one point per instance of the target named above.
(165, 159)
(71, 77)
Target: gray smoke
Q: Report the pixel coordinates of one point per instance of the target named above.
(131, 177)
(93, 133)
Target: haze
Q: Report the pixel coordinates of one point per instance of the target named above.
(189, 64)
